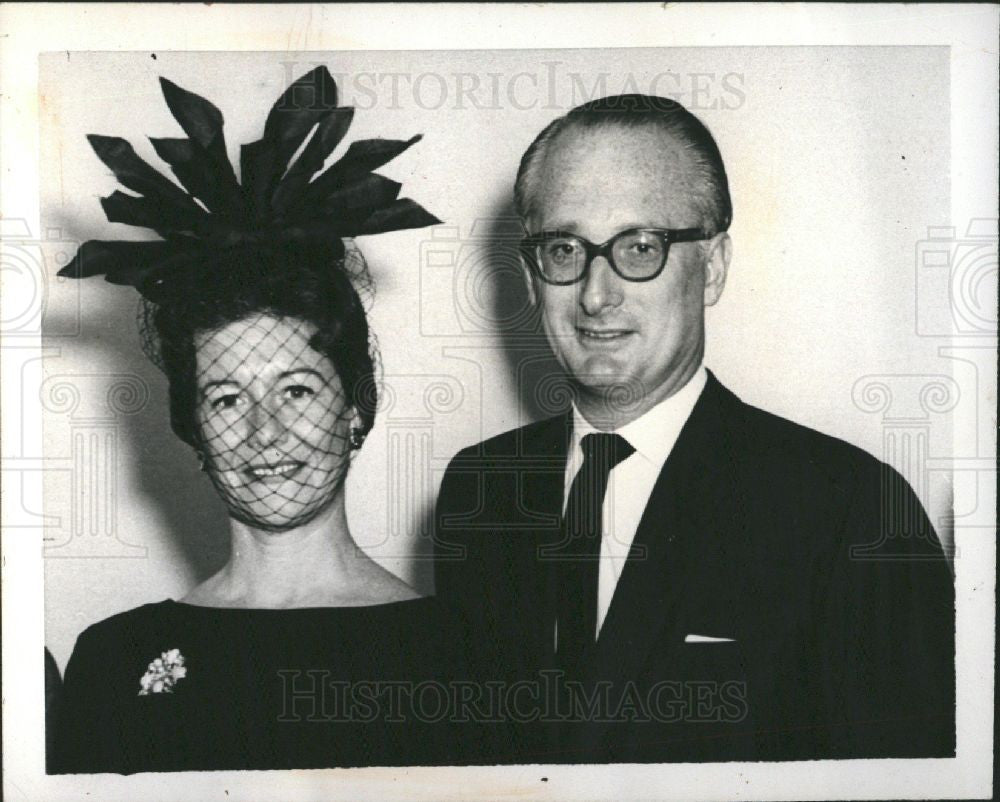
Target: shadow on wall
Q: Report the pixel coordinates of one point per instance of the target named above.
(166, 474)
(492, 302)
(532, 372)
(151, 461)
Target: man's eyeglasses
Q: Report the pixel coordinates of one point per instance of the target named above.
(637, 254)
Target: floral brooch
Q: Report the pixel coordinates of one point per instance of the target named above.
(163, 673)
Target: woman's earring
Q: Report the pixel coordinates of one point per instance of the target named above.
(356, 438)
(201, 460)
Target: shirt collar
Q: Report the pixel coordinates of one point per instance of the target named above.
(654, 433)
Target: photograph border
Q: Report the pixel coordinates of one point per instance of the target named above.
(32, 29)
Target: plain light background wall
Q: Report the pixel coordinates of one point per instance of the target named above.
(838, 161)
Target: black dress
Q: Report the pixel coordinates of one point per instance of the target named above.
(264, 689)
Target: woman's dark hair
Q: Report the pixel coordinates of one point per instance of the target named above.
(281, 281)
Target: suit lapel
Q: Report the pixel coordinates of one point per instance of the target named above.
(676, 529)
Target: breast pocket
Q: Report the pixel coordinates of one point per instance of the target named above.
(709, 660)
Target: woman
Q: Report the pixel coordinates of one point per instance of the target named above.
(301, 651)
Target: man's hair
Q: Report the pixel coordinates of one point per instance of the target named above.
(636, 111)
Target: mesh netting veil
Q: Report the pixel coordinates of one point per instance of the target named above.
(273, 370)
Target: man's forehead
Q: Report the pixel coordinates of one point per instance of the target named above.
(617, 144)
(641, 175)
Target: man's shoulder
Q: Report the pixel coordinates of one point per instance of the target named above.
(778, 443)
(533, 441)
(741, 432)
(778, 467)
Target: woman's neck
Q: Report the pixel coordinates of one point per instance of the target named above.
(314, 565)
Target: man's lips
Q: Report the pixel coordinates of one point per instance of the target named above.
(272, 470)
(597, 336)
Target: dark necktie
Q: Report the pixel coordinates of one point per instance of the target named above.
(580, 553)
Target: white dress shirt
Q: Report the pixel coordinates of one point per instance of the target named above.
(631, 482)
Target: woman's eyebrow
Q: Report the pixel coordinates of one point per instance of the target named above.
(310, 371)
(284, 375)
(218, 383)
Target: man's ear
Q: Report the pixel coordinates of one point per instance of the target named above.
(529, 281)
(720, 252)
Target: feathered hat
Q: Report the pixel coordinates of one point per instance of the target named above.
(277, 201)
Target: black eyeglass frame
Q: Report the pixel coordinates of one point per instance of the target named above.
(667, 237)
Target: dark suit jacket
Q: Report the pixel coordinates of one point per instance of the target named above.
(814, 559)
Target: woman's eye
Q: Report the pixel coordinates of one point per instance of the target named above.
(227, 401)
(298, 391)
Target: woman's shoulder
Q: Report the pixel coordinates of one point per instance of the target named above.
(128, 622)
(374, 584)
(112, 653)
(423, 622)
(117, 639)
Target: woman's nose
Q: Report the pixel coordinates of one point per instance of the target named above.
(266, 426)
(601, 287)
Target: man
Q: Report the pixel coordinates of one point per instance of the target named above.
(682, 576)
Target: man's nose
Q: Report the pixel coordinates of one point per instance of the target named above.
(266, 427)
(601, 287)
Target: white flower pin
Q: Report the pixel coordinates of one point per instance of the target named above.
(163, 673)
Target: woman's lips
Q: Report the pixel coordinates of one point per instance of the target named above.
(276, 470)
